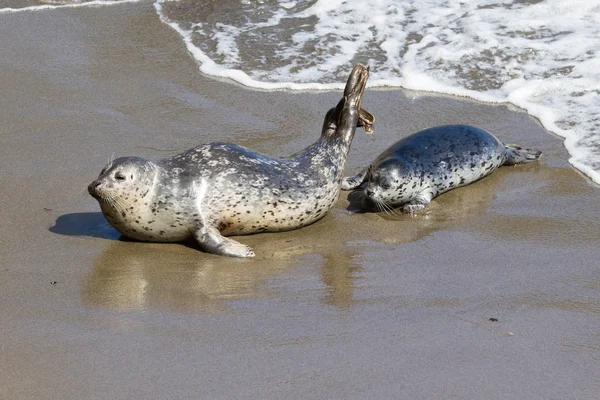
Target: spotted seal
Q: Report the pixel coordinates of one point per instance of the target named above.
(220, 189)
(417, 168)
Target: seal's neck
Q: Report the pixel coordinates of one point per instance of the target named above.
(332, 148)
(326, 149)
(339, 127)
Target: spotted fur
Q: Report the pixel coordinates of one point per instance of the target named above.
(222, 189)
(414, 170)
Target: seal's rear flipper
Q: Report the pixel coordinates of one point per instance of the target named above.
(518, 155)
(211, 241)
(353, 182)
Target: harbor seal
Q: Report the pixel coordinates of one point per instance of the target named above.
(414, 170)
(221, 189)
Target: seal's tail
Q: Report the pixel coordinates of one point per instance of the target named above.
(518, 155)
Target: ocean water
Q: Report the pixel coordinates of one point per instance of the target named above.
(540, 55)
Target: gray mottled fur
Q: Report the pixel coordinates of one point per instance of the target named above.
(222, 189)
(430, 162)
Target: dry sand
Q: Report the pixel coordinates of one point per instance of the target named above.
(356, 306)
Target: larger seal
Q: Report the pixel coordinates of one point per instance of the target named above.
(414, 170)
(221, 189)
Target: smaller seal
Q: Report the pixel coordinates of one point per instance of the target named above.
(417, 168)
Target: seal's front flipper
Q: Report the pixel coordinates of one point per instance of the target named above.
(352, 182)
(366, 120)
(517, 155)
(418, 203)
(211, 241)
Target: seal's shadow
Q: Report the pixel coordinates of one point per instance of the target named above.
(91, 224)
(357, 202)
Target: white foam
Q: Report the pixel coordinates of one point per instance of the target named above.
(7, 10)
(542, 57)
(209, 67)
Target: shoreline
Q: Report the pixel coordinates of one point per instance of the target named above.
(352, 306)
(520, 92)
(241, 78)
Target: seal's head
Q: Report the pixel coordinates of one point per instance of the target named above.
(122, 179)
(342, 120)
(388, 183)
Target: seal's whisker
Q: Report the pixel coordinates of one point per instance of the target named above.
(112, 203)
(389, 208)
(381, 206)
(123, 206)
(117, 204)
(377, 206)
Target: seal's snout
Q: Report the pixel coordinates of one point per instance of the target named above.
(355, 88)
(93, 189)
(356, 81)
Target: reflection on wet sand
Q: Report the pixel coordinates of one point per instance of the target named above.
(543, 219)
(131, 275)
(339, 273)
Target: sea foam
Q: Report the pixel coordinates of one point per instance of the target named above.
(540, 56)
(50, 5)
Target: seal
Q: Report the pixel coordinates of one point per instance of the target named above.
(417, 168)
(220, 189)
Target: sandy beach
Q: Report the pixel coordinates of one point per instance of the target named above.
(493, 293)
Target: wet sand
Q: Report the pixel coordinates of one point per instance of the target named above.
(355, 306)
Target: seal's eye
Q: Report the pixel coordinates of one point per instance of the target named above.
(385, 185)
(120, 177)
